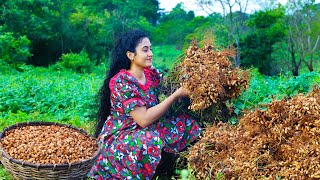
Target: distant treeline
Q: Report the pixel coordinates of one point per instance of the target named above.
(274, 39)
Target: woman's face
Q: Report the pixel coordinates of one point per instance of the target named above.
(143, 56)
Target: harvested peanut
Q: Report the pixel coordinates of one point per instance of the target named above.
(209, 76)
(48, 144)
(281, 141)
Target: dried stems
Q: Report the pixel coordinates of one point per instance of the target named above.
(282, 141)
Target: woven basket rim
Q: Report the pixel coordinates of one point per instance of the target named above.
(46, 166)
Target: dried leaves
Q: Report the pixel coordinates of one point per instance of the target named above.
(48, 144)
(281, 141)
(207, 74)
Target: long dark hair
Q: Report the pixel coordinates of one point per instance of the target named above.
(119, 60)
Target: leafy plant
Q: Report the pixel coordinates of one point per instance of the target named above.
(4, 174)
(14, 50)
(76, 62)
(64, 94)
(263, 89)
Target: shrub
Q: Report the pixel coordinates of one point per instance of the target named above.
(76, 62)
(14, 50)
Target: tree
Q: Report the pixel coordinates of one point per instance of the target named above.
(131, 14)
(13, 50)
(234, 16)
(30, 18)
(267, 29)
(204, 25)
(304, 33)
(175, 26)
(55, 27)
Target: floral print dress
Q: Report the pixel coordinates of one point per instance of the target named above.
(128, 150)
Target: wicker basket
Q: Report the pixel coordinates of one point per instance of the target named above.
(25, 170)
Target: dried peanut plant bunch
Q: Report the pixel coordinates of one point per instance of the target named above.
(209, 76)
(48, 144)
(279, 142)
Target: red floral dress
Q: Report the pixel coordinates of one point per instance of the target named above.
(128, 150)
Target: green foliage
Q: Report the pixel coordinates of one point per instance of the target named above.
(14, 50)
(165, 56)
(88, 29)
(132, 9)
(76, 62)
(257, 47)
(6, 68)
(174, 27)
(201, 26)
(28, 17)
(65, 94)
(4, 174)
(59, 27)
(34, 19)
(144, 25)
(264, 89)
(180, 27)
(178, 13)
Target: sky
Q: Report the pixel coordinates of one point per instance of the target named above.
(189, 5)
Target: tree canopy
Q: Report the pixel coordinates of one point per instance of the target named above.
(57, 27)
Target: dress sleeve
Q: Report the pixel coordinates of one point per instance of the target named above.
(126, 92)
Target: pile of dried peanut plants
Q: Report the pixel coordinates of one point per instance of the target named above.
(281, 141)
(209, 76)
(51, 144)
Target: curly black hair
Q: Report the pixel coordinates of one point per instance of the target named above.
(119, 60)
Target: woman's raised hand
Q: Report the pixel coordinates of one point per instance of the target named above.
(182, 92)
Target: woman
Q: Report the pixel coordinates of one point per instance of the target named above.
(130, 128)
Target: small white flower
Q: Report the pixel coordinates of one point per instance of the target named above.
(105, 160)
(134, 158)
(152, 159)
(156, 138)
(174, 130)
(144, 149)
(120, 122)
(120, 156)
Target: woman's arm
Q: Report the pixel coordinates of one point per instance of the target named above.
(145, 117)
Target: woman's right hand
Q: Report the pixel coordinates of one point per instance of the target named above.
(182, 92)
